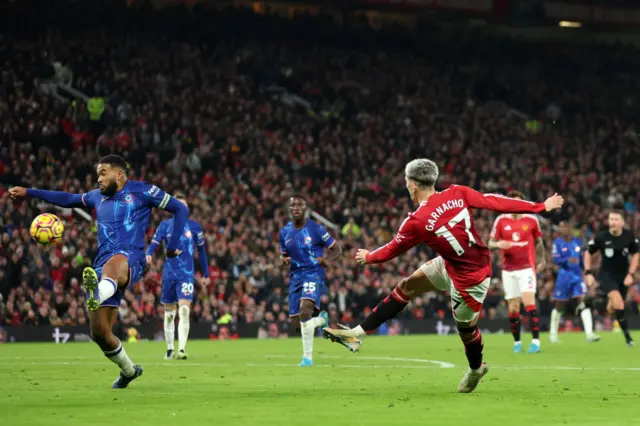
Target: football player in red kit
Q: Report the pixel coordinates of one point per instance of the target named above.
(519, 237)
(463, 267)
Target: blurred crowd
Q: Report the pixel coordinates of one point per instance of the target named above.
(241, 110)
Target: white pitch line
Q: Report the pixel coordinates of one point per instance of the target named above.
(441, 364)
(563, 367)
(395, 367)
(432, 364)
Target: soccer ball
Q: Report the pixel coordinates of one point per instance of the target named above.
(46, 228)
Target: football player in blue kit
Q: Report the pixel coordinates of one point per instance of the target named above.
(567, 254)
(177, 278)
(302, 246)
(123, 210)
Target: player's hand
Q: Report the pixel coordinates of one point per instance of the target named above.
(205, 282)
(540, 267)
(173, 253)
(590, 280)
(17, 192)
(504, 245)
(149, 260)
(361, 256)
(628, 280)
(322, 262)
(574, 260)
(286, 260)
(554, 202)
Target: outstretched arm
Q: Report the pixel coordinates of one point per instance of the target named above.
(59, 198)
(406, 238)
(503, 204)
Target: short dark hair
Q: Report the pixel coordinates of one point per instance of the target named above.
(617, 210)
(179, 195)
(115, 161)
(298, 196)
(515, 194)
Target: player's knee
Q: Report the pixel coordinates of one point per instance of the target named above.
(528, 299)
(306, 310)
(588, 301)
(100, 335)
(305, 314)
(406, 288)
(615, 300)
(183, 311)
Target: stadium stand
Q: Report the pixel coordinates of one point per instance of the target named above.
(242, 110)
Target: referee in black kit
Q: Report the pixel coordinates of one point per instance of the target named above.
(619, 250)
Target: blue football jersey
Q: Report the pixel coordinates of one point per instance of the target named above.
(304, 246)
(124, 218)
(564, 250)
(180, 268)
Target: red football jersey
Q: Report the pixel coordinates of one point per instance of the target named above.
(522, 234)
(444, 222)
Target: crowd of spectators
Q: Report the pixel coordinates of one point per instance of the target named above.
(242, 110)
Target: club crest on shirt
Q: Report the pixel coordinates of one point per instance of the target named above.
(525, 227)
(307, 240)
(128, 198)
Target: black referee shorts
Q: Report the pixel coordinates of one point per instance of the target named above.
(610, 282)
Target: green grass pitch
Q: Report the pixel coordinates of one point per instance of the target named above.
(391, 381)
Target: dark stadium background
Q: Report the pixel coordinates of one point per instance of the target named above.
(243, 103)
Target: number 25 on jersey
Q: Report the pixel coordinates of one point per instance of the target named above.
(445, 231)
